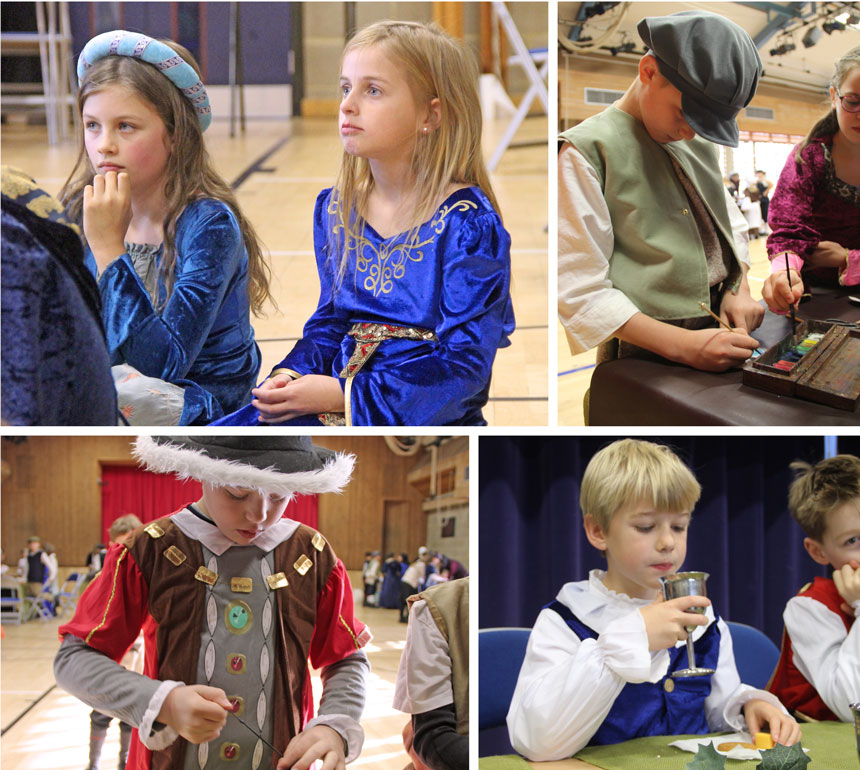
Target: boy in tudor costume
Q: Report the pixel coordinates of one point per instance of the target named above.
(818, 674)
(234, 600)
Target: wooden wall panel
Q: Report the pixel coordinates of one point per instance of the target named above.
(795, 111)
(354, 522)
(51, 488)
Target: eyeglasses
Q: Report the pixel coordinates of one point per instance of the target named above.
(850, 103)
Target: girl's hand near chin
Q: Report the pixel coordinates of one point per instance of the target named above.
(107, 215)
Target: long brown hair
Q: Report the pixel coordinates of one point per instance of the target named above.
(435, 66)
(829, 124)
(190, 174)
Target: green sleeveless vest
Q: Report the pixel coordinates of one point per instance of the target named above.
(658, 260)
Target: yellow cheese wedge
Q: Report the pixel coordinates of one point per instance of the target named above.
(763, 741)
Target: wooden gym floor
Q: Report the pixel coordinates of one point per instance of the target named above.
(279, 167)
(574, 372)
(45, 728)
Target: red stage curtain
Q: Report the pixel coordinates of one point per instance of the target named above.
(129, 489)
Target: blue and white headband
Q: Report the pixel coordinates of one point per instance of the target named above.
(171, 64)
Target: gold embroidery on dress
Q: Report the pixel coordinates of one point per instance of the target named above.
(387, 264)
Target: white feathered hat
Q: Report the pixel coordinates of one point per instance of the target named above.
(284, 465)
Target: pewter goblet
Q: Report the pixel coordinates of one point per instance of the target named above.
(687, 584)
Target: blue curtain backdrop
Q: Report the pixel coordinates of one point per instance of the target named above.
(531, 539)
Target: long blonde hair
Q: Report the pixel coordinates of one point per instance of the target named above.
(436, 66)
(829, 124)
(189, 174)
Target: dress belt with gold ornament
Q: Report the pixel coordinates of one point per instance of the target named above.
(368, 337)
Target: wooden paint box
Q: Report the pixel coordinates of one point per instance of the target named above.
(829, 373)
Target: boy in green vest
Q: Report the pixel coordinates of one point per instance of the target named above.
(647, 230)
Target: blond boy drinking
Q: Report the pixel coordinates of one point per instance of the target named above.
(598, 664)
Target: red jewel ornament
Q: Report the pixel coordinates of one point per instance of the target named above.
(236, 663)
(236, 703)
(229, 752)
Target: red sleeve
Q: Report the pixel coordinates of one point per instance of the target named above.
(113, 608)
(337, 633)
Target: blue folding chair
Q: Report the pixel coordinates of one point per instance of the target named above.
(756, 655)
(500, 657)
(11, 601)
(70, 590)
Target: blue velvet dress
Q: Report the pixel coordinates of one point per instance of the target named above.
(201, 339)
(452, 279)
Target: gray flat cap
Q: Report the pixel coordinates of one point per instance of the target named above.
(712, 62)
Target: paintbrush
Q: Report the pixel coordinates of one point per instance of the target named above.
(242, 722)
(715, 316)
(791, 307)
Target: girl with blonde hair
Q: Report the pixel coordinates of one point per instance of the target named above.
(179, 267)
(414, 262)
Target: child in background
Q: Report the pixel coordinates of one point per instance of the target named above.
(197, 582)
(598, 663)
(647, 230)
(119, 532)
(815, 211)
(178, 266)
(818, 675)
(414, 263)
(433, 678)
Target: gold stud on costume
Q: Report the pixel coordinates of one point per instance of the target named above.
(276, 581)
(669, 685)
(154, 531)
(318, 541)
(174, 555)
(241, 585)
(206, 576)
(303, 564)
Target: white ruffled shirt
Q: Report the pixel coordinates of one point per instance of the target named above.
(825, 653)
(567, 685)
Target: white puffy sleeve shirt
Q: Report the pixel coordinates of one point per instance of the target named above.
(567, 686)
(825, 653)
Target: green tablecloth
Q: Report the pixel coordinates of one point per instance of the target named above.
(831, 747)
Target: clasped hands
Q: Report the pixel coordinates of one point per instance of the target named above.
(282, 398)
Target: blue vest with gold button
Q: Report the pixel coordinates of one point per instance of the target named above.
(668, 707)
